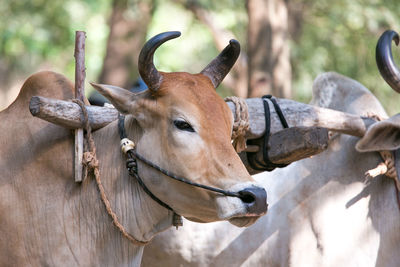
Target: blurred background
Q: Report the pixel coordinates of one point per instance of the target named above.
(285, 44)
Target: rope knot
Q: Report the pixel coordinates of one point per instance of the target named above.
(89, 159)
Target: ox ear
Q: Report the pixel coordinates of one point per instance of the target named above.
(121, 98)
(383, 135)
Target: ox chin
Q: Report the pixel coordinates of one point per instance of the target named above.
(243, 221)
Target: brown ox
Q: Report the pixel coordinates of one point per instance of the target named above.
(324, 212)
(181, 124)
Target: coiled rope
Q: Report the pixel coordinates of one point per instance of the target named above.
(241, 122)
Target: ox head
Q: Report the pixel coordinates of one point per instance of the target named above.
(187, 130)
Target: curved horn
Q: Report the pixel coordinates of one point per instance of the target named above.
(147, 70)
(384, 59)
(222, 64)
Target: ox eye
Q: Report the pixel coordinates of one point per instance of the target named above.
(183, 125)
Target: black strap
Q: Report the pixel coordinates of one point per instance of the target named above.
(132, 168)
(277, 109)
(131, 164)
(397, 166)
(267, 165)
(396, 154)
(121, 126)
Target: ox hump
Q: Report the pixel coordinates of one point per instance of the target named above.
(47, 84)
(335, 91)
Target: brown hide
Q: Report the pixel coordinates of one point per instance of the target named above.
(213, 122)
(49, 220)
(46, 218)
(26, 144)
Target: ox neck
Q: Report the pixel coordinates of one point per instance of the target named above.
(137, 212)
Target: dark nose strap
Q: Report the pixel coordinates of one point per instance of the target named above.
(128, 147)
(133, 154)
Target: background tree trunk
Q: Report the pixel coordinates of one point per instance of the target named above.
(128, 28)
(236, 79)
(268, 48)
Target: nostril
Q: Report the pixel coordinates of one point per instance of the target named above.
(247, 196)
(255, 199)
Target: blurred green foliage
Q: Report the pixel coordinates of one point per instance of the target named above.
(39, 34)
(195, 48)
(333, 36)
(341, 36)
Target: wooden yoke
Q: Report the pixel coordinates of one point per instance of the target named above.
(309, 124)
(80, 75)
(306, 137)
(287, 146)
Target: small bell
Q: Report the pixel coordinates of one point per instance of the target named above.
(177, 220)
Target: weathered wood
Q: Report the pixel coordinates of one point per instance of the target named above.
(80, 75)
(297, 143)
(78, 155)
(80, 71)
(299, 114)
(289, 145)
(68, 114)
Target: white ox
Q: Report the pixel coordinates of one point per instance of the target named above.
(323, 210)
(181, 124)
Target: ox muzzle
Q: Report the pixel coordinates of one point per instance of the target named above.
(255, 199)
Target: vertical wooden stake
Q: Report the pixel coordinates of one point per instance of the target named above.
(80, 74)
(78, 154)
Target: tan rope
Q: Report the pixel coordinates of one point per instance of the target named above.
(241, 123)
(90, 160)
